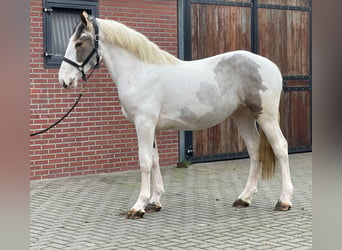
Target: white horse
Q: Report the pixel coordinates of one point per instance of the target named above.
(158, 91)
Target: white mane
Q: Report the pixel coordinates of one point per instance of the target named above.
(135, 42)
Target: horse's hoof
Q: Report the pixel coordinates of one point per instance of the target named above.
(282, 206)
(152, 207)
(240, 203)
(133, 214)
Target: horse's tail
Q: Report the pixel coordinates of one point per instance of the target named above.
(266, 157)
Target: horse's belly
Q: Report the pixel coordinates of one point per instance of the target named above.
(193, 119)
(182, 125)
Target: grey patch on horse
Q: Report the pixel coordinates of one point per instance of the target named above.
(206, 120)
(188, 115)
(208, 94)
(241, 75)
(87, 43)
(85, 49)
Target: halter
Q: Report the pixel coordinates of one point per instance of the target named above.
(95, 50)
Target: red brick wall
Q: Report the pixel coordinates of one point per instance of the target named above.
(95, 137)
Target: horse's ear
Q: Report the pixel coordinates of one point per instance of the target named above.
(84, 19)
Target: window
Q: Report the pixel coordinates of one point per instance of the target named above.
(60, 17)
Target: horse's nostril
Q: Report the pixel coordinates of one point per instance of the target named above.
(64, 85)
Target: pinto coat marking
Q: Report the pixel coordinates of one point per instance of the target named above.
(159, 91)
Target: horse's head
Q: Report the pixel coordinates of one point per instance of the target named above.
(82, 52)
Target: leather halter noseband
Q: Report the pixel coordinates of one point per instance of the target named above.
(95, 50)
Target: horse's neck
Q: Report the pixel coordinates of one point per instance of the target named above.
(121, 64)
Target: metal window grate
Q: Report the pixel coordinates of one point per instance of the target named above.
(62, 24)
(60, 17)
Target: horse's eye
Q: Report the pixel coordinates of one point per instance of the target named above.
(78, 44)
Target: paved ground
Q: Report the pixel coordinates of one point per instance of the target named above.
(86, 212)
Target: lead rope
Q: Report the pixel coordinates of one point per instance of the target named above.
(85, 79)
(62, 118)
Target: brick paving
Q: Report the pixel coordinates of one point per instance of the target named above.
(87, 212)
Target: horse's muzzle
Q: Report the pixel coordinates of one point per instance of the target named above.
(64, 85)
(69, 84)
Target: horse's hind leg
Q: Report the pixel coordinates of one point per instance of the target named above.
(158, 186)
(246, 124)
(271, 128)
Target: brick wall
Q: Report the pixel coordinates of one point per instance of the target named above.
(95, 137)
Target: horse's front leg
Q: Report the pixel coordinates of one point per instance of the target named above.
(145, 133)
(158, 186)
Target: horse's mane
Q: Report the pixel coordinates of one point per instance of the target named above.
(133, 41)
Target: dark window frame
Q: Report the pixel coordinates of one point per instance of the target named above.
(51, 59)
